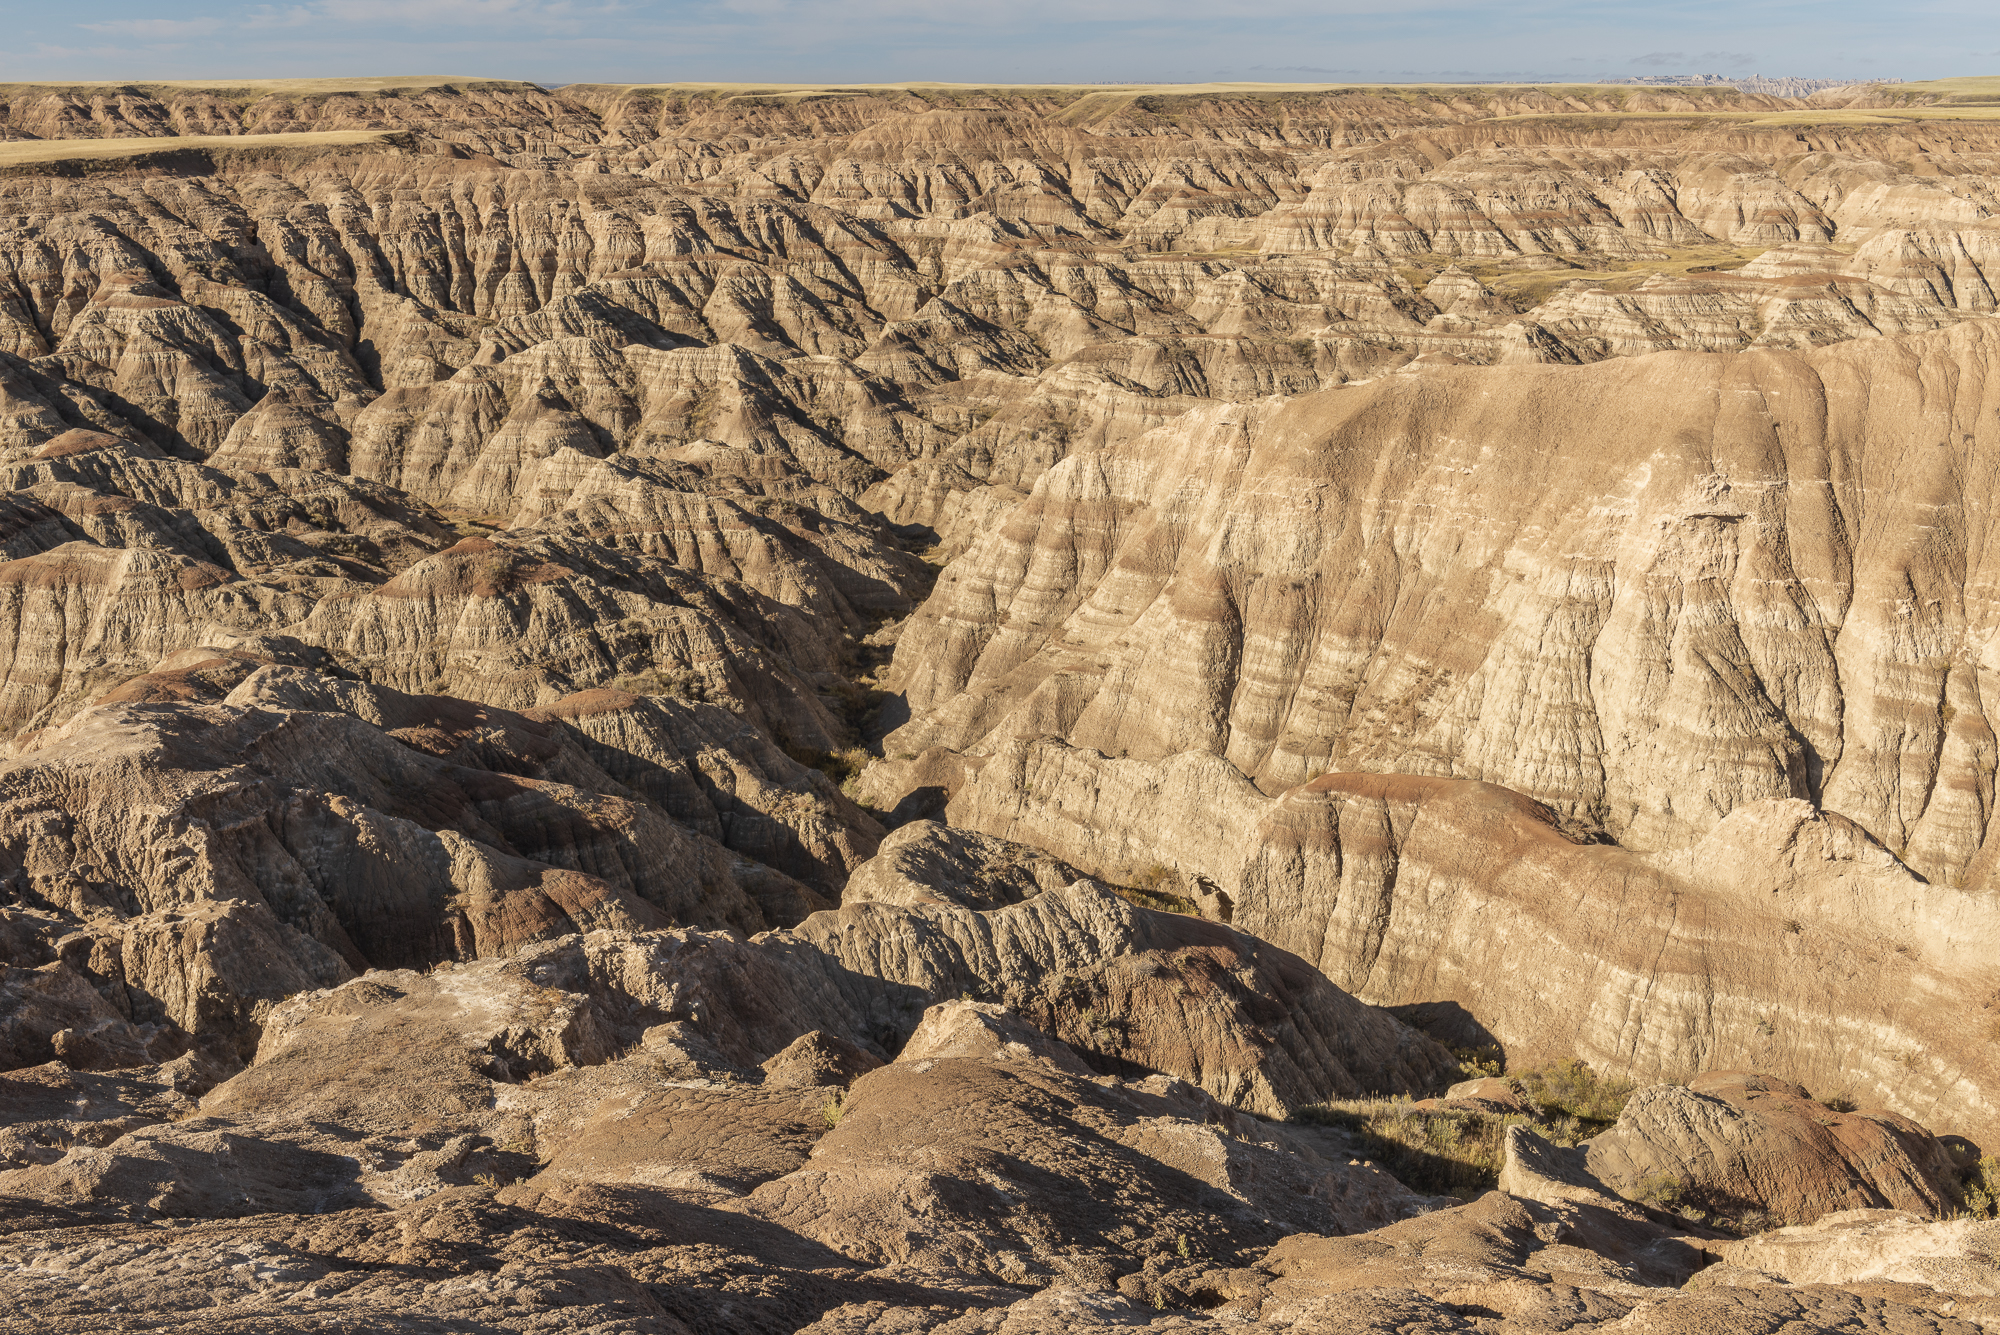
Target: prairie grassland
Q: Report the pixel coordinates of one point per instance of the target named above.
(22, 152)
(251, 89)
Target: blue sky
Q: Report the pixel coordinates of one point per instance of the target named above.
(561, 41)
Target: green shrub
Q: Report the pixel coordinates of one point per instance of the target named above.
(1474, 1063)
(1572, 1088)
(840, 766)
(1979, 1193)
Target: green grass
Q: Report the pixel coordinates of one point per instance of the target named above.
(1528, 288)
(26, 151)
(667, 680)
(1151, 888)
(1572, 1089)
(1980, 1189)
(468, 524)
(840, 766)
(1438, 1153)
(1160, 901)
(1451, 1153)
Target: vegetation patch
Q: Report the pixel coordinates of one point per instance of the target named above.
(840, 766)
(679, 684)
(468, 524)
(1439, 1153)
(1979, 1190)
(1526, 289)
(27, 151)
(1156, 887)
(1572, 1089)
(1160, 901)
(1449, 1152)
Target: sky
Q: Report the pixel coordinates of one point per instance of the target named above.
(1001, 41)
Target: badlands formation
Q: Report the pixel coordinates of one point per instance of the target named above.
(892, 710)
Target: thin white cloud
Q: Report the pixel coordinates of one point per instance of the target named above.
(839, 15)
(475, 14)
(154, 30)
(295, 17)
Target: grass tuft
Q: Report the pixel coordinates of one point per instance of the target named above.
(841, 766)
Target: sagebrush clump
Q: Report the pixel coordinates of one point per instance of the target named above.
(1979, 1192)
(1572, 1087)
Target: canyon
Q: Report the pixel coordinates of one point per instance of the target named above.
(942, 709)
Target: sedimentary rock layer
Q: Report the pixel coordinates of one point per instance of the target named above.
(1376, 580)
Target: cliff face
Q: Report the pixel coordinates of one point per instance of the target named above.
(1644, 592)
(1659, 595)
(1786, 938)
(577, 351)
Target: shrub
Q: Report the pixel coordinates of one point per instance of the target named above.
(1663, 1190)
(1474, 1063)
(1153, 887)
(1571, 1087)
(1157, 900)
(677, 683)
(1979, 1192)
(840, 766)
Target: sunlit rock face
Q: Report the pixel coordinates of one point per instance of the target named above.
(648, 710)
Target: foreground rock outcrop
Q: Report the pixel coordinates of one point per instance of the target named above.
(1737, 1145)
(951, 1190)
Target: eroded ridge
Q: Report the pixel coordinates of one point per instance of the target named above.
(937, 709)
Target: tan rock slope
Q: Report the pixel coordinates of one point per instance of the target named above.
(964, 1186)
(763, 709)
(1763, 1148)
(1717, 597)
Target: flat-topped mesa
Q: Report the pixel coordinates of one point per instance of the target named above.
(491, 115)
